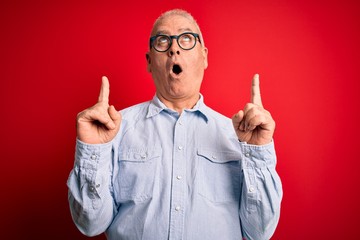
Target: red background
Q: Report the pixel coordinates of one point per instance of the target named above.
(53, 54)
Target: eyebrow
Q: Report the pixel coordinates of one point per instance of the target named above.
(168, 33)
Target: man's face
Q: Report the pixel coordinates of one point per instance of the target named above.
(177, 73)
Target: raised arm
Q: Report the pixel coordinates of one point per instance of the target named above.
(261, 190)
(89, 183)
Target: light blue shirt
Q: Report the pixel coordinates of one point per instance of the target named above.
(170, 176)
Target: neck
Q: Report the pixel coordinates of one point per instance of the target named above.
(179, 104)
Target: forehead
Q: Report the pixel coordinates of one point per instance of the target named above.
(174, 24)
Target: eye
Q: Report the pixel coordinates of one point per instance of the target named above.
(186, 38)
(162, 40)
(186, 41)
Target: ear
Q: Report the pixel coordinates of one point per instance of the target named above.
(148, 60)
(205, 54)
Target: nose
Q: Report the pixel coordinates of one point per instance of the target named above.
(172, 52)
(174, 48)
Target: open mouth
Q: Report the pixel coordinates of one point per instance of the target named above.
(176, 69)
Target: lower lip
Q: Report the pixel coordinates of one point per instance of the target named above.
(174, 75)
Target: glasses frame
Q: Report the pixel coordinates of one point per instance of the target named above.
(171, 37)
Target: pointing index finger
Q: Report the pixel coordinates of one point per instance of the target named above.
(255, 91)
(104, 90)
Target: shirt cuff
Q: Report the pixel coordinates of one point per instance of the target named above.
(258, 156)
(92, 163)
(90, 156)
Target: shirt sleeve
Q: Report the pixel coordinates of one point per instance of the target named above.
(261, 192)
(90, 197)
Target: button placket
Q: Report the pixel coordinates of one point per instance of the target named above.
(178, 183)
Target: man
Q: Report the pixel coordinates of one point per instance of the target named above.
(172, 168)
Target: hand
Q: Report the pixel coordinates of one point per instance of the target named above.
(101, 122)
(254, 124)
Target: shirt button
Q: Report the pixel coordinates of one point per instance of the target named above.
(178, 177)
(177, 208)
(251, 189)
(180, 147)
(92, 189)
(93, 157)
(180, 123)
(214, 157)
(247, 154)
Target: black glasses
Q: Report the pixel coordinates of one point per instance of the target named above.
(162, 42)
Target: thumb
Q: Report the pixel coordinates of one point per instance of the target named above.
(237, 118)
(115, 115)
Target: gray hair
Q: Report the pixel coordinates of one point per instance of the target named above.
(179, 12)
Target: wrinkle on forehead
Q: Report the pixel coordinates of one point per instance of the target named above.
(180, 30)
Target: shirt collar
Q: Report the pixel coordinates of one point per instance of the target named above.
(156, 106)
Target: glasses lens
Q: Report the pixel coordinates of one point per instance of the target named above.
(187, 41)
(161, 43)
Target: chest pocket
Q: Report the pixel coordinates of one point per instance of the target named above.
(219, 175)
(136, 175)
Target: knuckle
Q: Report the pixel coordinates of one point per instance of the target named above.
(249, 105)
(83, 114)
(92, 111)
(79, 115)
(95, 112)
